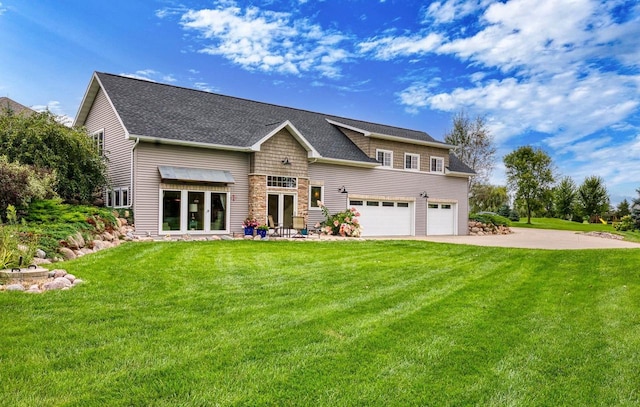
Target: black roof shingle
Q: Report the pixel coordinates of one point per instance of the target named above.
(173, 113)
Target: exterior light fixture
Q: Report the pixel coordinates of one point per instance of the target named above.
(423, 194)
(343, 190)
(286, 161)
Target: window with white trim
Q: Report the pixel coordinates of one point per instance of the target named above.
(411, 161)
(98, 141)
(282, 182)
(385, 157)
(118, 197)
(315, 195)
(437, 164)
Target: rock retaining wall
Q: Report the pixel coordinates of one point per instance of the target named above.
(482, 229)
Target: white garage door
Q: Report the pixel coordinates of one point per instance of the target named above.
(384, 218)
(441, 219)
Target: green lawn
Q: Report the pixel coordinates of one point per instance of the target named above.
(559, 224)
(375, 323)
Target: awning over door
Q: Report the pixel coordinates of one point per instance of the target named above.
(195, 175)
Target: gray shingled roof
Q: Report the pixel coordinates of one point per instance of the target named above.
(173, 113)
(15, 107)
(456, 165)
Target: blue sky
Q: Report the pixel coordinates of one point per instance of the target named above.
(562, 75)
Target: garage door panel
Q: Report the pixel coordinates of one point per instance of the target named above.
(441, 218)
(386, 218)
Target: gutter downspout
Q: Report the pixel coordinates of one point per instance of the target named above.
(131, 193)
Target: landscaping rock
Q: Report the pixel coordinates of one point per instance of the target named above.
(38, 261)
(77, 281)
(64, 281)
(67, 253)
(107, 236)
(70, 277)
(41, 254)
(34, 289)
(59, 273)
(56, 284)
(14, 287)
(226, 237)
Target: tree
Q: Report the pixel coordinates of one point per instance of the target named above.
(39, 140)
(593, 198)
(474, 145)
(635, 210)
(623, 208)
(564, 198)
(529, 175)
(487, 197)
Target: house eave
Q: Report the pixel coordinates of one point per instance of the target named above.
(349, 163)
(311, 151)
(390, 137)
(184, 143)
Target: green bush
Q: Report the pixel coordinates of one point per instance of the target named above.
(54, 221)
(490, 218)
(20, 184)
(514, 216)
(626, 223)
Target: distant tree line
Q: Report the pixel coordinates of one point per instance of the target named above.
(532, 187)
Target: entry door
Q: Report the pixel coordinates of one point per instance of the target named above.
(281, 206)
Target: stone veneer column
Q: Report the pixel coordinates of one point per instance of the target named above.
(258, 198)
(303, 198)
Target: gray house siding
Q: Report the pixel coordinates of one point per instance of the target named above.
(147, 158)
(389, 183)
(117, 149)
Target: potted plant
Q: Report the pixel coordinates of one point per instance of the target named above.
(262, 230)
(249, 225)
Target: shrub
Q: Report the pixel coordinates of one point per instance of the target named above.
(490, 218)
(20, 184)
(14, 245)
(514, 216)
(343, 223)
(626, 223)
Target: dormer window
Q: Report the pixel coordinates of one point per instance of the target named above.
(437, 164)
(385, 157)
(412, 162)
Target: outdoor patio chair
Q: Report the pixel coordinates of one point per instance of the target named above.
(298, 225)
(273, 228)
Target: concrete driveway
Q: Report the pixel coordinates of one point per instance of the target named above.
(538, 239)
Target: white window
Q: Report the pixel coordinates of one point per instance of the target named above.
(98, 141)
(118, 197)
(385, 157)
(315, 195)
(412, 162)
(183, 211)
(282, 182)
(437, 164)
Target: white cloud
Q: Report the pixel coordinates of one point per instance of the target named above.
(266, 40)
(442, 12)
(56, 108)
(390, 47)
(2, 9)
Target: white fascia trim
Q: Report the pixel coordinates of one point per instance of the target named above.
(89, 96)
(392, 138)
(458, 174)
(188, 143)
(349, 163)
(311, 151)
(346, 126)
